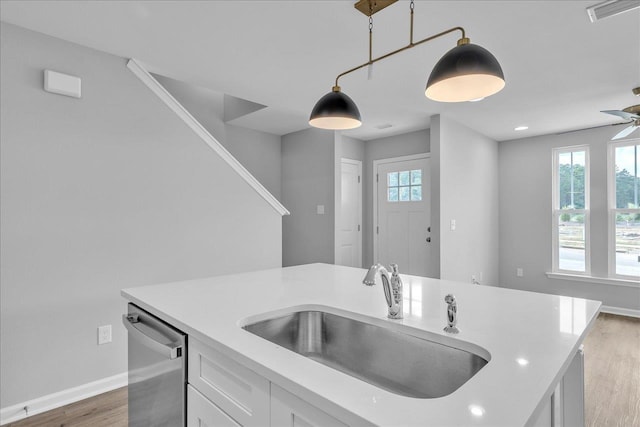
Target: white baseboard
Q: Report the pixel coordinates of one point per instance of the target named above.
(620, 311)
(55, 400)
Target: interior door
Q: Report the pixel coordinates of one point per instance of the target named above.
(349, 248)
(403, 209)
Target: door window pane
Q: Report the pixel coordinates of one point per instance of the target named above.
(416, 177)
(404, 186)
(571, 242)
(404, 178)
(393, 194)
(628, 244)
(404, 194)
(392, 179)
(416, 193)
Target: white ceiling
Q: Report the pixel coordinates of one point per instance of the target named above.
(561, 70)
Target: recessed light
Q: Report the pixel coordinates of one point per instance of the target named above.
(519, 128)
(384, 126)
(522, 362)
(476, 410)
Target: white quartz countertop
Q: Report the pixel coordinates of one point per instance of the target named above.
(531, 338)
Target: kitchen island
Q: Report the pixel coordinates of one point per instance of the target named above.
(531, 341)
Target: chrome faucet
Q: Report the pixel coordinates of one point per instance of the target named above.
(452, 314)
(392, 286)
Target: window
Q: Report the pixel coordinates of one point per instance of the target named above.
(404, 186)
(624, 209)
(571, 252)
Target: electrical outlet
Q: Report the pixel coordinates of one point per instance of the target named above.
(519, 272)
(104, 334)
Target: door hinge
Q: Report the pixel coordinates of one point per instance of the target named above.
(377, 176)
(377, 230)
(358, 179)
(358, 227)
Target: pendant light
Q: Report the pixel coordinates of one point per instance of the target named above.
(336, 111)
(467, 72)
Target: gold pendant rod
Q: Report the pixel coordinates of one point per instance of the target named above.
(409, 46)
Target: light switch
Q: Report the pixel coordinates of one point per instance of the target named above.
(519, 272)
(320, 209)
(453, 225)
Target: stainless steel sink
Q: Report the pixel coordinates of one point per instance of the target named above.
(395, 361)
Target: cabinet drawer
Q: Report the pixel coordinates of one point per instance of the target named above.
(288, 410)
(202, 413)
(241, 393)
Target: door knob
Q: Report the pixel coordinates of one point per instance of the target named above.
(428, 239)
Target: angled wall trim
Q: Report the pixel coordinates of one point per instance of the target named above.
(181, 112)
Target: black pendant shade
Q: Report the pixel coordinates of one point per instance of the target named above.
(335, 110)
(465, 73)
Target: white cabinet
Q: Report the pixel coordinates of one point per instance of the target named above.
(203, 413)
(565, 408)
(238, 392)
(288, 410)
(224, 393)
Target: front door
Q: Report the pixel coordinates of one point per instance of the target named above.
(401, 229)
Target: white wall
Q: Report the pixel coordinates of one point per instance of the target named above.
(384, 148)
(525, 217)
(259, 152)
(308, 161)
(97, 194)
(465, 189)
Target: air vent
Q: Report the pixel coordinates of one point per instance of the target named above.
(611, 8)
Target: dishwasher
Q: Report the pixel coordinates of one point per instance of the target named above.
(157, 371)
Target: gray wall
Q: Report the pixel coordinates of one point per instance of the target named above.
(351, 148)
(259, 152)
(384, 148)
(465, 188)
(525, 217)
(308, 164)
(97, 194)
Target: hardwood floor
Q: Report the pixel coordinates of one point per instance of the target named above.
(106, 410)
(612, 372)
(612, 385)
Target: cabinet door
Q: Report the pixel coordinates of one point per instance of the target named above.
(288, 410)
(238, 391)
(202, 413)
(573, 392)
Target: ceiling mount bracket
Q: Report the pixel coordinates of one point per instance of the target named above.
(370, 7)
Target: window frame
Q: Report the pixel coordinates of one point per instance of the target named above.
(557, 211)
(612, 209)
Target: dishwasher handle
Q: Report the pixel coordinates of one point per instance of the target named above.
(171, 350)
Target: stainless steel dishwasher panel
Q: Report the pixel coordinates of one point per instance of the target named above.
(157, 371)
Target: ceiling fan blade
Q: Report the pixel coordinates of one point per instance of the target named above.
(625, 132)
(623, 114)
